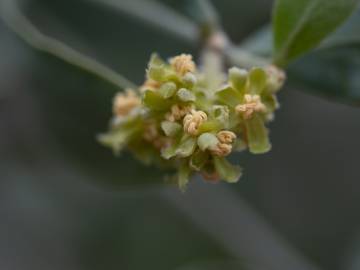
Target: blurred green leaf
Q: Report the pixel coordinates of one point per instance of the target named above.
(156, 14)
(346, 35)
(332, 70)
(301, 25)
(334, 74)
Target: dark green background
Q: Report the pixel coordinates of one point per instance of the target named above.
(67, 203)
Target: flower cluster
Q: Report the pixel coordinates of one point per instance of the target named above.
(191, 119)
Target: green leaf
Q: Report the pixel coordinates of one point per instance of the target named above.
(257, 135)
(226, 170)
(331, 70)
(333, 74)
(301, 25)
(346, 35)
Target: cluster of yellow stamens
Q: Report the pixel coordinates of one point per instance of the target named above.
(124, 103)
(190, 120)
(177, 112)
(252, 103)
(183, 64)
(193, 120)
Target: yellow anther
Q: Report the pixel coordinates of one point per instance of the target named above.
(177, 112)
(252, 103)
(224, 147)
(124, 103)
(183, 64)
(226, 136)
(193, 120)
(150, 84)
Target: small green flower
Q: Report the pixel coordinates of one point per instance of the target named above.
(191, 119)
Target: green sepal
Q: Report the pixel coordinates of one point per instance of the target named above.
(210, 126)
(183, 148)
(186, 147)
(257, 135)
(258, 80)
(156, 60)
(270, 101)
(207, 141)
(199, 159)
(167, 90)
(185, 95)
(189, 80)
(155, 102)
(156, 68)
(120, 134)
(183, 175)
(169, 152)
(238, 78)
(227, 172)
(114, 140)
(170, 128)
(229, 96)
(221, 113)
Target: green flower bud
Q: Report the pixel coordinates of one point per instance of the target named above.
(185, 95)
(167, 90)
(238, 78)
(189, 80)
(207, 141)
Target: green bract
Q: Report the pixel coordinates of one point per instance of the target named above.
(190, 119)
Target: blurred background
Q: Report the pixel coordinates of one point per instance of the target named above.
(67, 203)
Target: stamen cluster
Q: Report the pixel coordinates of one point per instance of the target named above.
(184, 118)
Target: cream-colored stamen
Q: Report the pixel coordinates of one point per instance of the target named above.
(125, 102)
(224, 147)
(252, 103)
(183, 64)
(151, 85)
(193, 120)
(177, 112)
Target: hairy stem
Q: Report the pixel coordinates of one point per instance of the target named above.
(17, 21)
